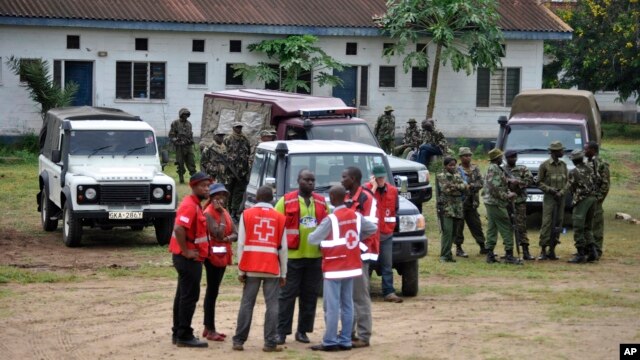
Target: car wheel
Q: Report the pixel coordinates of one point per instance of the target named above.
(72, 227)
(410, 278)
(164, 229)
(137, 227)
(48, 224)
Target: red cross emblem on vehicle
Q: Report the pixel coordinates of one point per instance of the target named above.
(352, 239)
(264, 229)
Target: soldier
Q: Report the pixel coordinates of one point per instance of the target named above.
(496, 197)
(433, 142)
(237, 169)
(552, 179)
(602, 181)
(181, 136)
(580, 183)
(411, 139)
(470, 173)
(385, 129)
(214, 158)
(523, 179)
(265, 135)
(451, 187)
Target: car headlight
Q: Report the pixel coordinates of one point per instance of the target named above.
(410, 223)
(90, 194)
(158, 193)
(423, 176)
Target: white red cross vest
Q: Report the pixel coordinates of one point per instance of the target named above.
(341, 250)
(264, 228)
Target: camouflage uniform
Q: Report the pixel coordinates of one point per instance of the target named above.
(552, 175)
(213, 162)
(437, 139)
(496, 201)
(580, 183)
(602, 182)
(470, 206)
(451, 187)
(238, 150)
(385, 131)
(181, 136)
(525, 178)
(412, 137)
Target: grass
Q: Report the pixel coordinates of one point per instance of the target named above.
(10, 274)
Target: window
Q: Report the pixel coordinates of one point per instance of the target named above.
(497, 89)
(235, 45)
(306, 77)
(197, 46)
(504, 50)
(364, 85)
(140, 80)
(258, 160)
(57, 73)
(23, 63)
(386, 49)
(274, 85)
(142, 44)
(352, 48)
(418, 77)
(73, 41)
(197, 73)
(387, 76)
(231, 78)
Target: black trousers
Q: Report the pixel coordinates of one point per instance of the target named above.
(214, 278)
(304, 280)
(187, 294)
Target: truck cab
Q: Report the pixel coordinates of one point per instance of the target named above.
(278, 163)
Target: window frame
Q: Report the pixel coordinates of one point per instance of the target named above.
(69, 37)
(193, 45)
(235, 46)
(149, 79)
(228, 67)
(380, 85)
(351, 49)
(146, 43)
(486, 80)
(206, 70)
(21, 78)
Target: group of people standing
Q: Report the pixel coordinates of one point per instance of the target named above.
(503, 190)
(291, 250)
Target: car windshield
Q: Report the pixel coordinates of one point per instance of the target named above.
(537, 137)
(328, 167)
(359, 133)
(112, 142)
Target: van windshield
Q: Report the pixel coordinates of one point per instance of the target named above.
(537, 137)
(359, 133)
(328, 168)
(112, 142)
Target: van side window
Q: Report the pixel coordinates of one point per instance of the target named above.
(270, 170)
(295, 133)
(258, 161)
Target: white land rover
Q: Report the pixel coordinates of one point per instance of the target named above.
(99, 167)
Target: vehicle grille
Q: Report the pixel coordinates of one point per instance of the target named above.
(124, 194)
(412, 176)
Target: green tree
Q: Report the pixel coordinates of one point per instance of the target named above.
(42, 89)
(297, 57)
(604, 53)
(465, 33)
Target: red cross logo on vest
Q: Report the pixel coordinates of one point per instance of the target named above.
(264, 229)
(352, 239)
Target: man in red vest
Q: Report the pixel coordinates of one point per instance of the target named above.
(386, 196)
(189, 247)
(304, 210)
(339, 236)
(262, 259)
(361, 200)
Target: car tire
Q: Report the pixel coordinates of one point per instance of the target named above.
(48, 208)
(71, 227)
(410, 278)
(164, 229)
(137, 227)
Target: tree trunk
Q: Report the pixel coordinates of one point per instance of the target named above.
(434, 82)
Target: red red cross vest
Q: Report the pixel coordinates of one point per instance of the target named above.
(292, 212)
(386, 203)
(341, 250)
(364, 203)
(190, 216)
(264, 228)
(220, 254)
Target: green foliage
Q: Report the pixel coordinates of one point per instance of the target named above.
(604, 53)
(625, 131)
(297, 57)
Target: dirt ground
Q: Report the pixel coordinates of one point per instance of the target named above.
(130, 317)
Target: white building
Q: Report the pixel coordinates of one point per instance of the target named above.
(153, 57)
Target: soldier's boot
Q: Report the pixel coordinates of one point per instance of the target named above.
(510, 259)
(483, 251)
(552, 253)
(580, 257)
(181, 177)
(491, 257)
(592, 251)
(525, 252)
(460, 252)
(543, 254)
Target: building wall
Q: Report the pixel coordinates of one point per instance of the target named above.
(456, 113)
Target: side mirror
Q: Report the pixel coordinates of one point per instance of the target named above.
(402, 183)
(270, 181)
(56, 156)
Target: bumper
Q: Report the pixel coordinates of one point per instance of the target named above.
(101, 217)
(409, 248)
(420, 195)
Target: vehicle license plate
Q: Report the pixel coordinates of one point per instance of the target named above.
(119, 215)
(406, 195)
(535, 198)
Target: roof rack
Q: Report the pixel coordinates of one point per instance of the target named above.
(346, 111)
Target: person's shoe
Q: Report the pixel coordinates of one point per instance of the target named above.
(302, 337)
(193, 343)
(280, 339)
(543, 254)
(174, 339)
(483, 251)
(510, 259)
(552, 253)
(579, 258)
(445, 259)
(215, 336)
(460, 252)
(237, 347)
(321, 347)
(359, 343)
(491, 257)
(344, 347)
(393, 298)
(592, 253)
(181, 179)
(276, 348)
(525, 253)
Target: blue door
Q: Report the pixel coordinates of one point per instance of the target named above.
(80, 72)
(348, 92)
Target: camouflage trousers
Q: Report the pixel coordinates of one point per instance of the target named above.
(598, 225)
(386, 144)
(582, 218)
(498, 222)
(548, 205)
(472, 218)
(521, 223)
(236, 190)
(449, 226)
(184, 156)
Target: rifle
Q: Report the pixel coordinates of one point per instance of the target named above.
(511, 210)
(225, 160)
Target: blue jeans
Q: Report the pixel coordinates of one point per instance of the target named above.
(426, 151)
(385, 261)
(338, 305)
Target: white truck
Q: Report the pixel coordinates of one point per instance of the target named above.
(99, 167)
